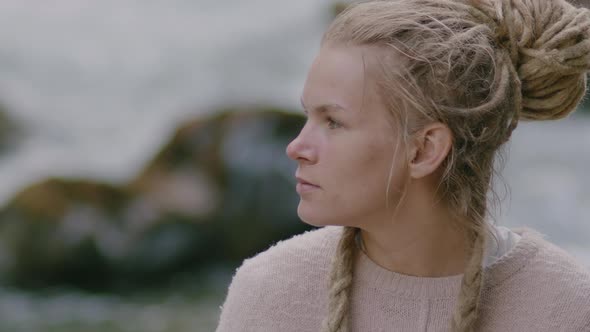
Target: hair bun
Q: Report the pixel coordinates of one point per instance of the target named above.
(549, 44)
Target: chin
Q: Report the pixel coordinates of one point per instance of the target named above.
(316, 218)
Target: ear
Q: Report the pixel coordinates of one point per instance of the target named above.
(429, 148)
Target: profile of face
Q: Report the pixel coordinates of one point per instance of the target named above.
(349, 154)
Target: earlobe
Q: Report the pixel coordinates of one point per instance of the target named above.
(431, 146)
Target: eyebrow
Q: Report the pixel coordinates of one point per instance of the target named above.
(324, 108)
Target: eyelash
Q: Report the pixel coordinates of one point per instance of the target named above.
(332, 123)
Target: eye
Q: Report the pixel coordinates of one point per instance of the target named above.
(333, 124)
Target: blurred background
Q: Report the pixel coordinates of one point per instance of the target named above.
(142, 157)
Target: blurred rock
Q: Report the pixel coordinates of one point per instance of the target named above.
(50, 231)
(229, 174)
(259, 200)
(221, 190)
(9, 131)
(186, 176)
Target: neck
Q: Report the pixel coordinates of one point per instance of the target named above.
(417, 242)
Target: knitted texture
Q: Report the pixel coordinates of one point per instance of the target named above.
(536, 286)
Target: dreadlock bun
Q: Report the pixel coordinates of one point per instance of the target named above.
(549, 44)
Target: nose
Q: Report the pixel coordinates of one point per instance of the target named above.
(301, 150)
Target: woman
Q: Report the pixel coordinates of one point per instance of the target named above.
(408, 103)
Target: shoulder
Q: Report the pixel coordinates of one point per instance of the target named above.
(568, 279)
(557, 263)
(294, 255)
(544, 278)
(534, 253)
(288, 273)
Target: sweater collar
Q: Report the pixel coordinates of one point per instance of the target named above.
(368, 273)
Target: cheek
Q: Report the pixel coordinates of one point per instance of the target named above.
(373, 176)
(354, 176)
(353, 189)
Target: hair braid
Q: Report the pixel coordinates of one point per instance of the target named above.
(341, 283)
(467, 311)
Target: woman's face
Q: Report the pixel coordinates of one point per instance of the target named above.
(346, 148)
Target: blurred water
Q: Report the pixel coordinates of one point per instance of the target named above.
(100, 84)
(71, 311)
(549, 182)
(186, 303)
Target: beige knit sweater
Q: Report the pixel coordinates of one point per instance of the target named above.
(535, 286)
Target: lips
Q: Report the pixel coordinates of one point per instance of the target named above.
(304, 186)
(305, 182)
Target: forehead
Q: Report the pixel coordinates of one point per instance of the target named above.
(338, 76)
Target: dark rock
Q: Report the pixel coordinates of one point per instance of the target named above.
(221, 190)
(10, 131)
(51, 232)
(237, 181)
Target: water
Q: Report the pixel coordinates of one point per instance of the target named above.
(71, 311)
(547, 172)
(101, 84)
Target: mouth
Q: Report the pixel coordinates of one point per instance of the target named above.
(304, 186)
(305, 182)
